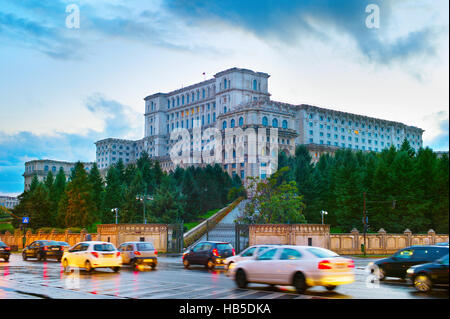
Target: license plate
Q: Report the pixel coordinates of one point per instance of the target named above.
(55, 248)
(148, 260)
(107, 256)
(340, 265)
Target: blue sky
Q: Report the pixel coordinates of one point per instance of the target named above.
(62, 89)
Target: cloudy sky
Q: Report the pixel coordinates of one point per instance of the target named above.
(61, 89)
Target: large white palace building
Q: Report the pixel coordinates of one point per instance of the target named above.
(240, 98)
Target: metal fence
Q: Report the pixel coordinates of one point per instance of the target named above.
(175, 241)
(234, 233)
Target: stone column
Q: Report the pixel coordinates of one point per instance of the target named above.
(382, 235)
(408, 235)
(432, 236)
(66, 236)
(355, 234)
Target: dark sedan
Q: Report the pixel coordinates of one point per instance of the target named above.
(402, 260)
(43, 250)
(424, 277)
(5, 251)
(208, 253)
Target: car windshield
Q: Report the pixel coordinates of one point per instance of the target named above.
(145, 247)
(322, 253)
(104, 247)
(224, 247)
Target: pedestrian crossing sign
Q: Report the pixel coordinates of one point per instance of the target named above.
(25, 220)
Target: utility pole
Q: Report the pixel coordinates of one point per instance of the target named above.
(364, 221)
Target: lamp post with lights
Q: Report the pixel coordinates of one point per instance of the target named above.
(322, 212)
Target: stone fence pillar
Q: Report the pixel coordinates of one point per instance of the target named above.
(408, 235)
(432, 236)
(382, 236)
(355, 234)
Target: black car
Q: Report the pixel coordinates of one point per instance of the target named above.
(424, 277)
(208, 253)
(5, 251)
(402, 260)
(43, 249)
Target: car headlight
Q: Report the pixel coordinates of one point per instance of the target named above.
(231, 266)
(371, 264)
(410, 271)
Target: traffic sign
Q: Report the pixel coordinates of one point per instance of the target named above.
(25, 220)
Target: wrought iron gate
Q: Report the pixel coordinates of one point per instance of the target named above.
(175, 240)
(242, 237)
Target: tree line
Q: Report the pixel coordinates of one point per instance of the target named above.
(86, 199)
(403, 188)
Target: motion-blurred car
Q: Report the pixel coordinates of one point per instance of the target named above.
(298, 266)
(249, 253)
(43, 250)
(91, 255)
(65, 245)
(208, 253)
(442, 244)
(5, 251)
(424, 277)
(398, 264)
(139, 253)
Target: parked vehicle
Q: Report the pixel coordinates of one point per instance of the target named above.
(5, 251)
(424, 277)
(249, 253)
(43, 250)
(298, 266)
(139, 253)
(208, 253)
(398, 264)
(91, 255)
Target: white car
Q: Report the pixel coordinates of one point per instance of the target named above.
(249, 253)
(92, 254)
(298, 266)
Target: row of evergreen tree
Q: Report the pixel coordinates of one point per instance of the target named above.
(85, 199)
(404, 188)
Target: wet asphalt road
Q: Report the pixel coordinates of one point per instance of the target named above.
(38, 279)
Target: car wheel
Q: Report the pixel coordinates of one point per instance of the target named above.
(24, 256)
(115, 269)
(41, 256)
(186, 263)
(330, 288)
(6, 259)
(380, 273)
(300, 283)
(133, 263)
(422, 283)
(153, 266)
(241, 279)
(65, 265)
(88, 266)
(210, 264)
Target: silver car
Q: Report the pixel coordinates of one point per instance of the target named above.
(139, 253)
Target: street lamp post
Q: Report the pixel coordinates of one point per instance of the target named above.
(322, 212)
(115, 210)
(142, 198)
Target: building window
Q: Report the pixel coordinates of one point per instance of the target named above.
(264, 121)
(285, 124)
(232, 123)
(275, 123)
(224, 125)
(255, 85)
(241, 121)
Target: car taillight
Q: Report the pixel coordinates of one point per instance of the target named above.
(156, 252)
(324, 264)
(94, 253)
(45, 248)
(118, 254)
(7, 248)
(137, 253)
(215, 252)
(234, 252)
(351, 264)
